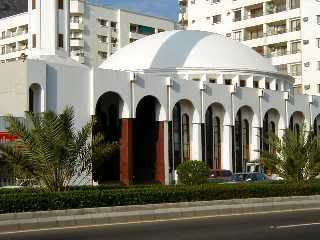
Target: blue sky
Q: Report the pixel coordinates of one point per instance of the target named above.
(164, 8)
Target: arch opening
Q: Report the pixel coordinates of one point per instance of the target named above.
(108, 124)
(180, 134)
(35, 98)
(242, 139)
(297, 122)
(316, 125)
(145, 140)
(270, 126)
(213, 135)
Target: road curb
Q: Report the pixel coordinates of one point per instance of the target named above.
(126, 214)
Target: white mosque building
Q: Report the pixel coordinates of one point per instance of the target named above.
(167, 98)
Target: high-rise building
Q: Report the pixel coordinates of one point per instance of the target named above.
(93, 32)
(285, 31)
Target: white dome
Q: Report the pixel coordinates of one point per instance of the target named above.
(187, 50)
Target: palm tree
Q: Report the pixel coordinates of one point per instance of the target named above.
(295, 157)
(51, 151)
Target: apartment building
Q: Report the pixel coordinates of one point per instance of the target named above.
(95, 31)
(98, 31)
(285, 31)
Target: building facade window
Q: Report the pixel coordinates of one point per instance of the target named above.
(295, 25)
(237, 36)
(237, 15)
(282, 68)
(217, 142)
(33, 4)
(102, 22)
(294, 4)
(243, 83)
(176, 138)
(216, 19)
(34, 40)
(102, 39)
(60, 40)
(295, 47)
(267, 85)
(227, 81)
(103, 55)
(246, 141)
(60, 4)
(296, 69)
(185, 137)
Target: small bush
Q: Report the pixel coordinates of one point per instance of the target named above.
(193, 172)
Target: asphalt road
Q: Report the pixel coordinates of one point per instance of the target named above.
(291, 225)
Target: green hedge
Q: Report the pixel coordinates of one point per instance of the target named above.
(99, 197)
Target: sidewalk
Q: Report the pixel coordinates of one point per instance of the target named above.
(128, 214)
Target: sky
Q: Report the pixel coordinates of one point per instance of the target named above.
(163, 8)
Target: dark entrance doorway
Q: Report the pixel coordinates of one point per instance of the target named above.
(108, 124)
(145, 138)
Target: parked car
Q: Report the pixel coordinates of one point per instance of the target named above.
(219, 175)
(238, 178)
(256, 177)
(275, 177)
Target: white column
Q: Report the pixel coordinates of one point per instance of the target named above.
(287, 117)
(288, 25)
(262, 83)
(220, 79)
(250, 81)
(236, 80)
(281, 133)
(273, 84)
(196, 146)
(288, 4)
(264, 7)
(242, 35)
(226, 149)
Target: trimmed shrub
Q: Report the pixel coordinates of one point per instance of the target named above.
(38, 199)
(193, 172)
(43, 201)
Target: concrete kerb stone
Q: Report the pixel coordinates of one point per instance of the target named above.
(123, 214)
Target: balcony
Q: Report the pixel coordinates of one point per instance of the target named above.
(253, 33)
(280, 54)
(281, 31)
(257, 10)
(76, 6)
(76, 26)
(253, 11)
(76, 42)
(102, 46)
(11, 50)
(276, 28)
(17, 32)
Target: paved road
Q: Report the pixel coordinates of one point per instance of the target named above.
(293, 225)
